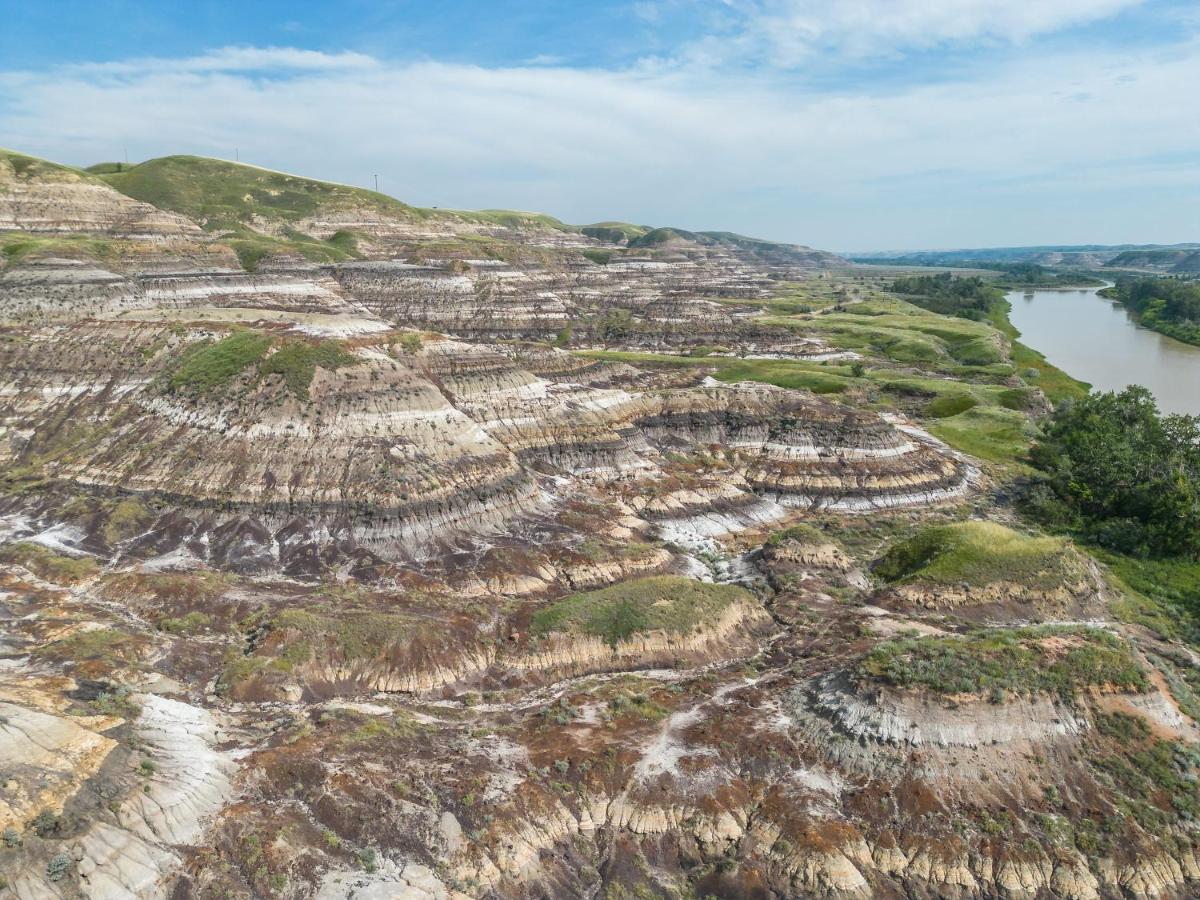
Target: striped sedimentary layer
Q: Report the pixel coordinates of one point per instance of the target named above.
(399, 445)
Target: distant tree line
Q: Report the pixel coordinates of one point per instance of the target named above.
(949, 294)
(1167, 305)
(1034, 275)
(1119, 474)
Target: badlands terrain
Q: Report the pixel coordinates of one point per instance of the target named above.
(355, 550)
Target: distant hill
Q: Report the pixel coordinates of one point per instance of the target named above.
(259, 213)
(1085, 256)
(220, 194)
(642, 237)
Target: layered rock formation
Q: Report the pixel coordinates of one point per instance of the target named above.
(328, 568)
(38, 197)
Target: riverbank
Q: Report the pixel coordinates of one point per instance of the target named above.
(1055, 383)
(1153, 316)
(1101, 343)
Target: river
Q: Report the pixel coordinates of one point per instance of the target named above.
(1096, 340)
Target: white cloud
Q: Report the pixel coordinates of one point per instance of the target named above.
(789, 32)
(662, 145)
(233, 59)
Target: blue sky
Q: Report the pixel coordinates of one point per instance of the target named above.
(846, 124)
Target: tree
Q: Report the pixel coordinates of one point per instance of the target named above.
(616, 325)
(1122, 475)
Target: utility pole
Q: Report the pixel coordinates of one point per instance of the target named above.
(236, 155)
(377, 184)
(126, 151)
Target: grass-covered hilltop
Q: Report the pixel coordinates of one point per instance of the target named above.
(354, 549)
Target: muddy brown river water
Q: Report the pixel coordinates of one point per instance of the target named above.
(1096, 340)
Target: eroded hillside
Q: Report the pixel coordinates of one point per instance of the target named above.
(349, 549)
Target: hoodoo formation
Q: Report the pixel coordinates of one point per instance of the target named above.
(352, 549)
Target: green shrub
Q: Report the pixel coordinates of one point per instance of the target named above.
(58, 867)
(208, 366)
(297, 361)
(46, 823)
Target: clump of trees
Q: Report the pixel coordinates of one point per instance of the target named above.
(1033, 275)
(949, 294)
(1164, 304)
(1116, 472)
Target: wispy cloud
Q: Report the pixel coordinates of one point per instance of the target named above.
(279, 60)
(790, 32)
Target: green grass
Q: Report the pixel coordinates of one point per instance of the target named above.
(599, 257)
(353, 635)
(16, 246)
(1056, 384)
(665, 602)
(980, 553)
(32, 168)
(944, 407)
(126, 518)
(252, 247)
(782, 373)
(1160, 594)
(968, 416)
(954, 372)
(786, 373)
(802, 533)
(97, 644)
(997, 435)
(614, 232)
(902, 332)
(1175, 581)
(297, 362)
(657, 236)
(291, 638)
(207, 366)
(996, 662)
(1157, 777)
(198, 587)
(510, 218)
(222, 195)
(192, 623)
(45, 563)
(871, 334)
(1017, 398)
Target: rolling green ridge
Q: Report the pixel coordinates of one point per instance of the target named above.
(223, 195)
(979, 553)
